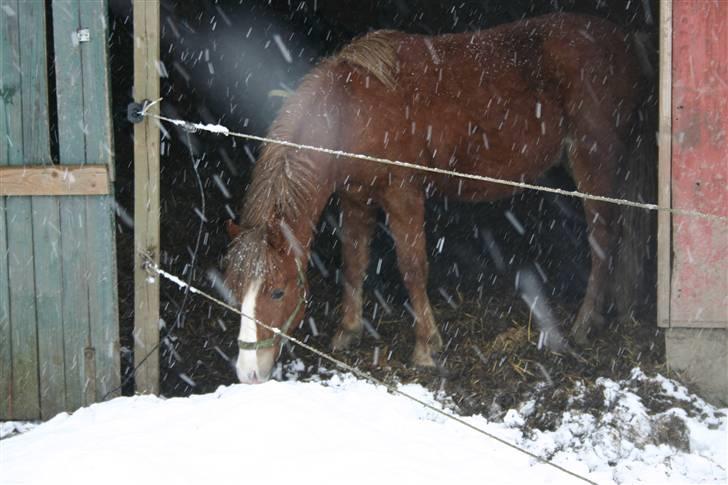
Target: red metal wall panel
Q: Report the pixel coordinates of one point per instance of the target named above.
(699, 290)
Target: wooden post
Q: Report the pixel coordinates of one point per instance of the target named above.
(146, 198)
(664, 198)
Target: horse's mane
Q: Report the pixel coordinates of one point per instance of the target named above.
(376, 54)
(283, 179)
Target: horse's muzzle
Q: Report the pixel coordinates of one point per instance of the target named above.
(255, 366)
(249, 378)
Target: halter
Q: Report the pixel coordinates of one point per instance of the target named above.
(270, 342)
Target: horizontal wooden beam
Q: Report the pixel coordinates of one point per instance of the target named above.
(54, 180)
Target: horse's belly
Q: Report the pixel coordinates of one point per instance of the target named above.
(512, 142)
(474, 191)
(508, 168)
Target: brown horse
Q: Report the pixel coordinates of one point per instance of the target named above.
(506, 102)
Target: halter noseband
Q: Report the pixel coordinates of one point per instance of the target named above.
(270, 342)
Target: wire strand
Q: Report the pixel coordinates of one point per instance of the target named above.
(179, 319)
(151, 266)
(222, 130)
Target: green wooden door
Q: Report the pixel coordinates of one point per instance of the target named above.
(59, 343)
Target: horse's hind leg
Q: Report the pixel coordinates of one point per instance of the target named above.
(406, 212)
(358, 225)
(594, 165)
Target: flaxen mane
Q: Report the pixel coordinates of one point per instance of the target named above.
(283, 178)
(376, 54)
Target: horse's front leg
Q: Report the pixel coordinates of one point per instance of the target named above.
(406, 213)
(358, 224)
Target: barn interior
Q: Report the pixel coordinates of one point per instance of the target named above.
(230, 63)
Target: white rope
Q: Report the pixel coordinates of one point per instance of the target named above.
(222, 130)
(151, 267)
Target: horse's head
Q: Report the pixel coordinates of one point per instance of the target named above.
(266, 278)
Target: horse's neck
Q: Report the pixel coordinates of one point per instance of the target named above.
(302, 226)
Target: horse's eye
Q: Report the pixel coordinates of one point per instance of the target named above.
(277, 294)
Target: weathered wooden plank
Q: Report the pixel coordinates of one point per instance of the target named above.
(45, 216)
(103, 306)
(664, 165)
(103, 310)
(46, 238)
(54, 180)
(21, 223)
(96, 85)
(10, 149)
(699, 291)
(49, 290)
(6, 376)
(71, 128)
(23, 341)
(146, 197)
(75, 297)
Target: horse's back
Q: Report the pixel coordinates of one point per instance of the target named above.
(563, 56)
(498, 102)
(540, 50)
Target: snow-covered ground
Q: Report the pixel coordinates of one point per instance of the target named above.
(346, 430)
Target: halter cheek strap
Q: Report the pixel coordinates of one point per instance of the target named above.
(270, 342)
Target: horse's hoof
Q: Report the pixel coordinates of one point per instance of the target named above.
(579, 334)
(584, 325)
(435, 371)
(344, 339)
(422, 356)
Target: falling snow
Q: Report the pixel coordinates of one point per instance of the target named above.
(233, 68)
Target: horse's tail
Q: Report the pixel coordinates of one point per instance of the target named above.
(635, 263)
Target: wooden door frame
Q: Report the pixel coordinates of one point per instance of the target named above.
(664, 169)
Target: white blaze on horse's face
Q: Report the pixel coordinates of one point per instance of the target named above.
(252, 366)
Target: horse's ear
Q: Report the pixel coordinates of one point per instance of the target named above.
(232, 229)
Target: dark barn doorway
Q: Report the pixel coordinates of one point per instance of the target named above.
(230, 63)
